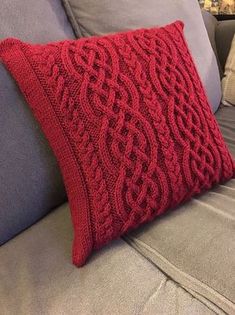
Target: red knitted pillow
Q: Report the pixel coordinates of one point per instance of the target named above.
(129, 122)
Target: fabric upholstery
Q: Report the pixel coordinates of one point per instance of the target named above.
(226, 119)
(225, 31)
(211, 23)
(30, 181)
(91, 17)
(34, 21)
(124, 115)
(37, 277)
(228, 82)
(195, 245)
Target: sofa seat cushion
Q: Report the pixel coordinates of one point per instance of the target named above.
(37, 277)
(195, 245)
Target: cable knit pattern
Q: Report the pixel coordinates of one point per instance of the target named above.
(129, 122)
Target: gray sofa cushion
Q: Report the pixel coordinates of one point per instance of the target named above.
(30, 181)
(37, 277)
(92, 17)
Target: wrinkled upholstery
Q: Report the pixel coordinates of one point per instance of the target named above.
(37, 277)
(195, 245)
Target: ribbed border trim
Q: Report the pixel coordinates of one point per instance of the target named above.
(13, 56)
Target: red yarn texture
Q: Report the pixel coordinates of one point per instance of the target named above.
(129, 122)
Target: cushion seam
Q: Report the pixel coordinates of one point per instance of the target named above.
(76, 26)
(168, 268)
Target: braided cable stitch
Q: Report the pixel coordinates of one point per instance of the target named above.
(129, 122)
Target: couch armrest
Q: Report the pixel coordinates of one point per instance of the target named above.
(224, 33)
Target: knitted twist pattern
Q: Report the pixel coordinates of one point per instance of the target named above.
(129, 122)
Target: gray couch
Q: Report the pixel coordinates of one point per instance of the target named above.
(182, 263)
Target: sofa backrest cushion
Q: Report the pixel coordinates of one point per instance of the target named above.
(211, 24)
(92, 17)
(30, 180)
